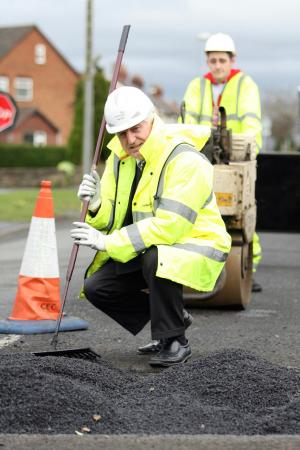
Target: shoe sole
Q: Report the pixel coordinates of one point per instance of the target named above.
(162, 364)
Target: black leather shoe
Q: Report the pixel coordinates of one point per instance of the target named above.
(172, 352)
(155, 346)
(152, 347)
(256, 287)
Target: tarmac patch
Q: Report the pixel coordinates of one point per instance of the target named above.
(225, 392)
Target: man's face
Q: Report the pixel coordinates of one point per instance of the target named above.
(220, 65)
(133, 138)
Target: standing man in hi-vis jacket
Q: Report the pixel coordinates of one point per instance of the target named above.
(236, 92)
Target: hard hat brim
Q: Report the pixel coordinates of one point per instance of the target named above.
(131, 123)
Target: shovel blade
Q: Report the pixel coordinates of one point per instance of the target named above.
(82, 353)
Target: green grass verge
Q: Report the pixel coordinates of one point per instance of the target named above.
(18, 206)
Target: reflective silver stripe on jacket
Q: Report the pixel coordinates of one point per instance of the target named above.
(202, 96)
(135, 237)
(113, 203)
(116, 172)
(193, 114)
(202, 118)
(238, 94)
(178, 208)
(244, 116)
(209, 252)
(116, 166)
(177, 150)
(111, 217)
(249, 114)
(140, 215)
(205, 118)
(210, 197)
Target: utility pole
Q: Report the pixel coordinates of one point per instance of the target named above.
(88, 125)
(298, 121)
(298, 97)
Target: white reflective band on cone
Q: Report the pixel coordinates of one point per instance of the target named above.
(40, 256)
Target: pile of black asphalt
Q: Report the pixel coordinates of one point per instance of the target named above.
(225, 392)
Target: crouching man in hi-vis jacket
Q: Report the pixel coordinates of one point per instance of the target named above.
(154, 222)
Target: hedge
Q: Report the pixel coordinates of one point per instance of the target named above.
(24, 155)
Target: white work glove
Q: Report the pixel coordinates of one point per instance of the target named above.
(89, 190)
(84, 234)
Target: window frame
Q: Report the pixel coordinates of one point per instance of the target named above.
(28, 85)
(37, 133)
(32, 138)
(6, 88)
(40, 54)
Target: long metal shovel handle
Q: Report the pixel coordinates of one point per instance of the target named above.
(96, 157)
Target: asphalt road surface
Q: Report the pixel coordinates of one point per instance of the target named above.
(269, 328)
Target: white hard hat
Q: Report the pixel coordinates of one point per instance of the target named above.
(125, 107)
(220, 43)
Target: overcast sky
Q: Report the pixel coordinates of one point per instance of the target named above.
(162, 46)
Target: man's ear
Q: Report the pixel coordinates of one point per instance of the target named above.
(233, 60)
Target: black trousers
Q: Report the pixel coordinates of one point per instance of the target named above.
(117, 290)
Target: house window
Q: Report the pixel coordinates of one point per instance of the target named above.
(23, 89)
(4, 84)
(28, 138)
(39, 138)
(36, 138)
(40, 54)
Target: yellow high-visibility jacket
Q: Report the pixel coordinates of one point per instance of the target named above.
(174, 207)
(240, 98)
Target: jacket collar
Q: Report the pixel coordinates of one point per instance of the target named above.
(209, 76)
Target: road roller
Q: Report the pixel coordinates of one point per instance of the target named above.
(234, 159)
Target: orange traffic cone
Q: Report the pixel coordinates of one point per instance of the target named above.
(37, 303)
(38, 295)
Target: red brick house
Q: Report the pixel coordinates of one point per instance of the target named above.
(42, 83)
(31, 127)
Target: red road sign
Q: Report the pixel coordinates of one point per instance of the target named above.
(8, 111)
